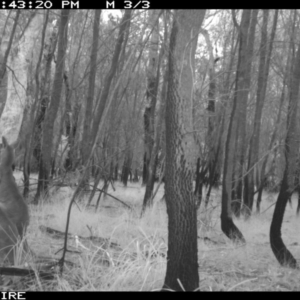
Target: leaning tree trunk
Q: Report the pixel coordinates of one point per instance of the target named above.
(182, 261)
(280, 251)
(125, 23)
(48, 126)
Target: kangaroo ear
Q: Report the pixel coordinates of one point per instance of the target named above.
(4, 142)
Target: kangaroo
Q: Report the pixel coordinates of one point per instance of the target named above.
(8, 238)
(13, 210)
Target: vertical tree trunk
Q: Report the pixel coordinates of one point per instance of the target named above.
(280, 251)
(243, 30)
(125, 23)
(182, 261)
(274, 134)
(48, 125)
(91, 89)
(243, 81)
(126, 167)
(151, 94)
(264, 64)
(211, 136)
(90, 96)
(241, 94)
(26, 134)
(157, 134)
(242, 112)
(3, 75)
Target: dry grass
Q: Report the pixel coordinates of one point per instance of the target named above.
(139, 263)
(225, 266)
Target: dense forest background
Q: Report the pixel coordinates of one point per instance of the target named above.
(191, 100)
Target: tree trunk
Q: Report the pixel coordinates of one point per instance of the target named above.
(90, 96)
(274, 134)
(26, 134)
(182, 261)
(152, 166)
(280, 251)
(242, 112)
(243, 30)
(227, 225)
(263, 72)
(3, 75)
(51, 113)
(151, 94)
(91, 89)
(243, 81)
(126, 167)
(125, 23)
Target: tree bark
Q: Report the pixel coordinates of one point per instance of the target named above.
(279, 249)
(182, 261)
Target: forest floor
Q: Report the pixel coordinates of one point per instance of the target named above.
(114, 249)
(225, 266)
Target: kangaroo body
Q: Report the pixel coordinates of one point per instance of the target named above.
(14, 213)
(8, 238)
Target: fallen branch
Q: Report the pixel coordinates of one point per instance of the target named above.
(58, 234)
(27, 272)
(117, 199)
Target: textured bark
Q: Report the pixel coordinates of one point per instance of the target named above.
(182, 261)
(48, 126)
(279, 249)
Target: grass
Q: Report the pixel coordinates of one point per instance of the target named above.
(139, 262)
(250, 267)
